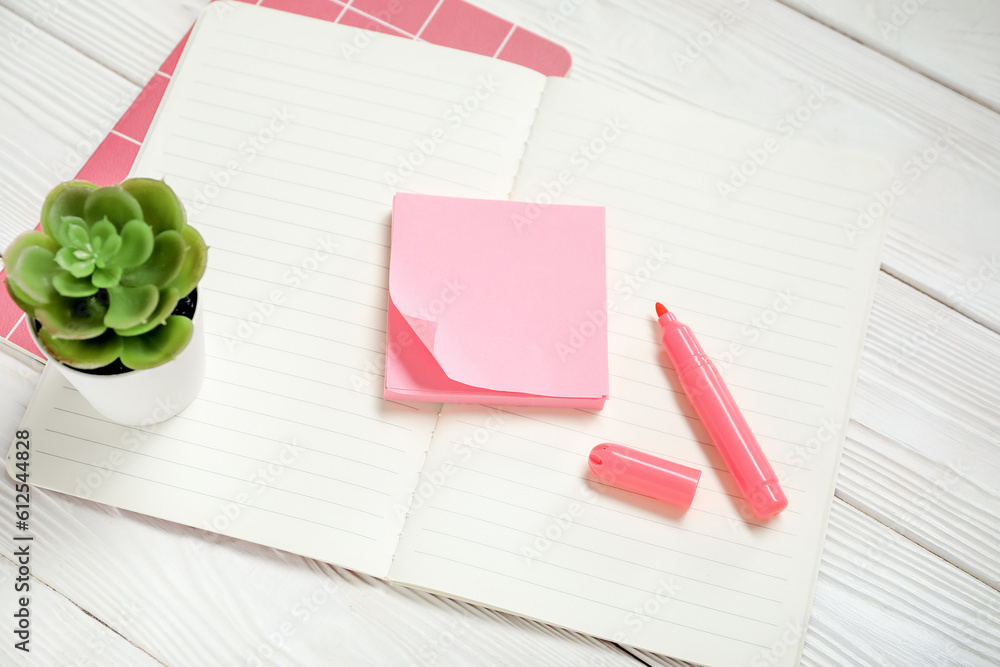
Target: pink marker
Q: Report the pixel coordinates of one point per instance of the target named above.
(644, 473)
(722, 418)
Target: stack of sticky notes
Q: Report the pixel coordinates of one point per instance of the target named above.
(497, 302)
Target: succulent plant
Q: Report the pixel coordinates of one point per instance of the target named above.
(106, 272)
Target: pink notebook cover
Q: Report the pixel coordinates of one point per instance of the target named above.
(483, 309)
(452, 23)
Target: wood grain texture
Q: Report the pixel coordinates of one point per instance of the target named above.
(882, 600)
(923, 454)
(881, 597)
(128, 38)
(765, 64)
(917, 608)
(55, 109)
(64, 634)
(948, 40)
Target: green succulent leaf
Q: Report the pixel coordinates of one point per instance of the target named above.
(195, 260)
(159, 345)
(78, 237)
(33, 271)
(11, 257)
(84, 354)
(69, 285)
(74, 319)
(66, 199)
(163, 264)
(104, 241)
(161, 208)
(69, 259)
(62, 229)
(112, 203)
(130, 306)
(20, 299)
(108, 277)
(165, 306)
(27, 240)
(136, 244)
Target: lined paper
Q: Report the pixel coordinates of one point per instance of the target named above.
(778, 293)
(286, 147)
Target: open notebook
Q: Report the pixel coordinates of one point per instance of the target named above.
(288, 149)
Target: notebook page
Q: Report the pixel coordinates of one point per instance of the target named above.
(286, 139)
(507, 511)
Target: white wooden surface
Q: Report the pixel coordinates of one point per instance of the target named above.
(911, 567)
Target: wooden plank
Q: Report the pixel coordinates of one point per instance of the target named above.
(767, 62)
(916, 608)
(954, 42)
(56, 107)
(881, 599)
(63, 634)
(923, 454)
(129, 38)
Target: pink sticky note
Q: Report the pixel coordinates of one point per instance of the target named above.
(497, 302)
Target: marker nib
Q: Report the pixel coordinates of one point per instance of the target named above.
(661, 310)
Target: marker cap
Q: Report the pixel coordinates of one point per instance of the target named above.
(644, 473)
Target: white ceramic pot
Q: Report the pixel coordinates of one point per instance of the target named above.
(148, 396)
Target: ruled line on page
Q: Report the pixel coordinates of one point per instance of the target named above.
(280, 422)
(598, 415)
(358, 220)
(645, 427)
(741, 302)
(662, 160)
(335, 297)
(653, 347)
(286, 202)
(693, 418)
(271, 239)
(701, 250)
(393, 89)
(581, 459)
(340, 233)
(582, 597)
(282, 350)
(672, 527)
(675, 265)
(328, 130)
(757, 390)
(594, 576)
(316, 313)
(393, 70)
(239, 479)
(728, 158)
(350, 390)
(409, 113)
(714, 195)
(743, 221)
(208, 495)
(241, 432)
(338, 113)
(618, 559)
(367, 441)
(341, 153)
